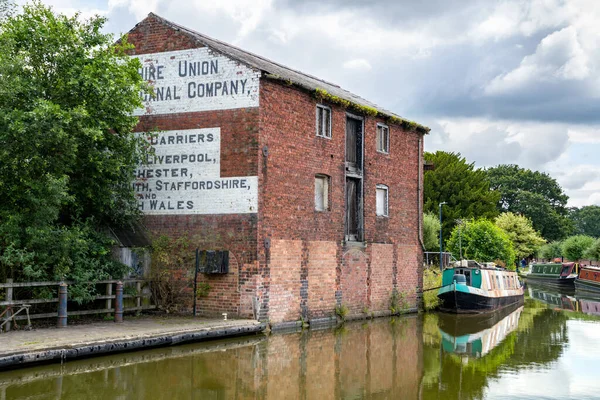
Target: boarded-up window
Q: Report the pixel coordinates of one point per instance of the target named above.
(321, 192)
(383, 138)
(353, 209)
(354, 143)
(323, 121)
(381, 201)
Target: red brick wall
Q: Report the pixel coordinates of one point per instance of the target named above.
(322, 274)
(231, 293)
(365, 277)
(302, 272)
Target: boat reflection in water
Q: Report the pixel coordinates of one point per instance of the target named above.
(477, 335)
(583, 302)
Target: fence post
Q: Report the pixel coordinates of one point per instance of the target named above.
(9, 297)
(62, 305)
(138, 303)
(108, 301)
(119, 302)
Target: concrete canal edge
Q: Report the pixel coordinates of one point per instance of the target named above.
(99, 348)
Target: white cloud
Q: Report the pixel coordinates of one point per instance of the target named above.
(559, 56)
(582, 134)
(358, 64)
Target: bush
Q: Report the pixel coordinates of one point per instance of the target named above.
(482, 241)
(593, 252)
(172, 273)
(431, 231)
(551, 250)
(576, 246)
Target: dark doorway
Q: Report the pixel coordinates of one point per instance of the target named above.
(354, 180)
(353, 209)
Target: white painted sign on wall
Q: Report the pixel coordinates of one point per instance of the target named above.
(196, 80)
(183, 177)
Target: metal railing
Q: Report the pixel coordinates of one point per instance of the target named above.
(11, 303)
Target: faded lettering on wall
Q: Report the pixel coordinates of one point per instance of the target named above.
(196, 80)
(182, 176)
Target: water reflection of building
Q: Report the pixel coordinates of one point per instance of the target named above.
(380, 359)
(477, 335)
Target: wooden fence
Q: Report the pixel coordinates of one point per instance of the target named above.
(11, 303)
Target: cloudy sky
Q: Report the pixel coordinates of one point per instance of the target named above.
(500, 81)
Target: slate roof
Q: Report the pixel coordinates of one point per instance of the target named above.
(278, 71)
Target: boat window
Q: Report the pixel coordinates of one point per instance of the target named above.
(498, 280)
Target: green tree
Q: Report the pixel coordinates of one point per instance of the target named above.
(67, 151)
(535, 195)
(463, 187)
(586, 220)
(526, 241)
(576, 246)
(431, 231)
(551, 250)
(483, 241)
(593, 252)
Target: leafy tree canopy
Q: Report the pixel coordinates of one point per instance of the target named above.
(533, 194)
(575, 247)
(482, 241)
(586, 220)
(593, 252)
(464, 188)
(431, 231)
(526, 241)
(67, 151)
(551, 250)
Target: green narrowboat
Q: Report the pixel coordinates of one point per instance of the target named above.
(554, 274)
(470, 287)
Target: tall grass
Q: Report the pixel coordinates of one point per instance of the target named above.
(431, 279)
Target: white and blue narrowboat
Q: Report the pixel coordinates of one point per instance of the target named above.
(469, 287)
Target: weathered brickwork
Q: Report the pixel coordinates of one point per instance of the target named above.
(322, 273)
(284, 292)
(289, 261)
(382, 276)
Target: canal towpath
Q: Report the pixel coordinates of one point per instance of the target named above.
(21, 348)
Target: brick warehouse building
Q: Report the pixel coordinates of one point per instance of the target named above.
(313, 192)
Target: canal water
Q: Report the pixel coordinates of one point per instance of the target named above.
(547, 349)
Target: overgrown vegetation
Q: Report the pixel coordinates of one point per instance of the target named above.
(431, 279)
(172, 275)
(323, 94)
(342, 311)
(67, 151)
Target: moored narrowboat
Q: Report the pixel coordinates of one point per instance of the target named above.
(588, 279)
(554, 274)
(472, 288)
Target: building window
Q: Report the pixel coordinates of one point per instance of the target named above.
(321, 193)
(383, 138)
(382, 201)
(323, 121)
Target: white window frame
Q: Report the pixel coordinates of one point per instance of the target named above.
(386, 204)
(326, 129)
(325, 193)
(386, 149)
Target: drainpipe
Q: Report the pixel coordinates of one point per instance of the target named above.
(420, 193)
